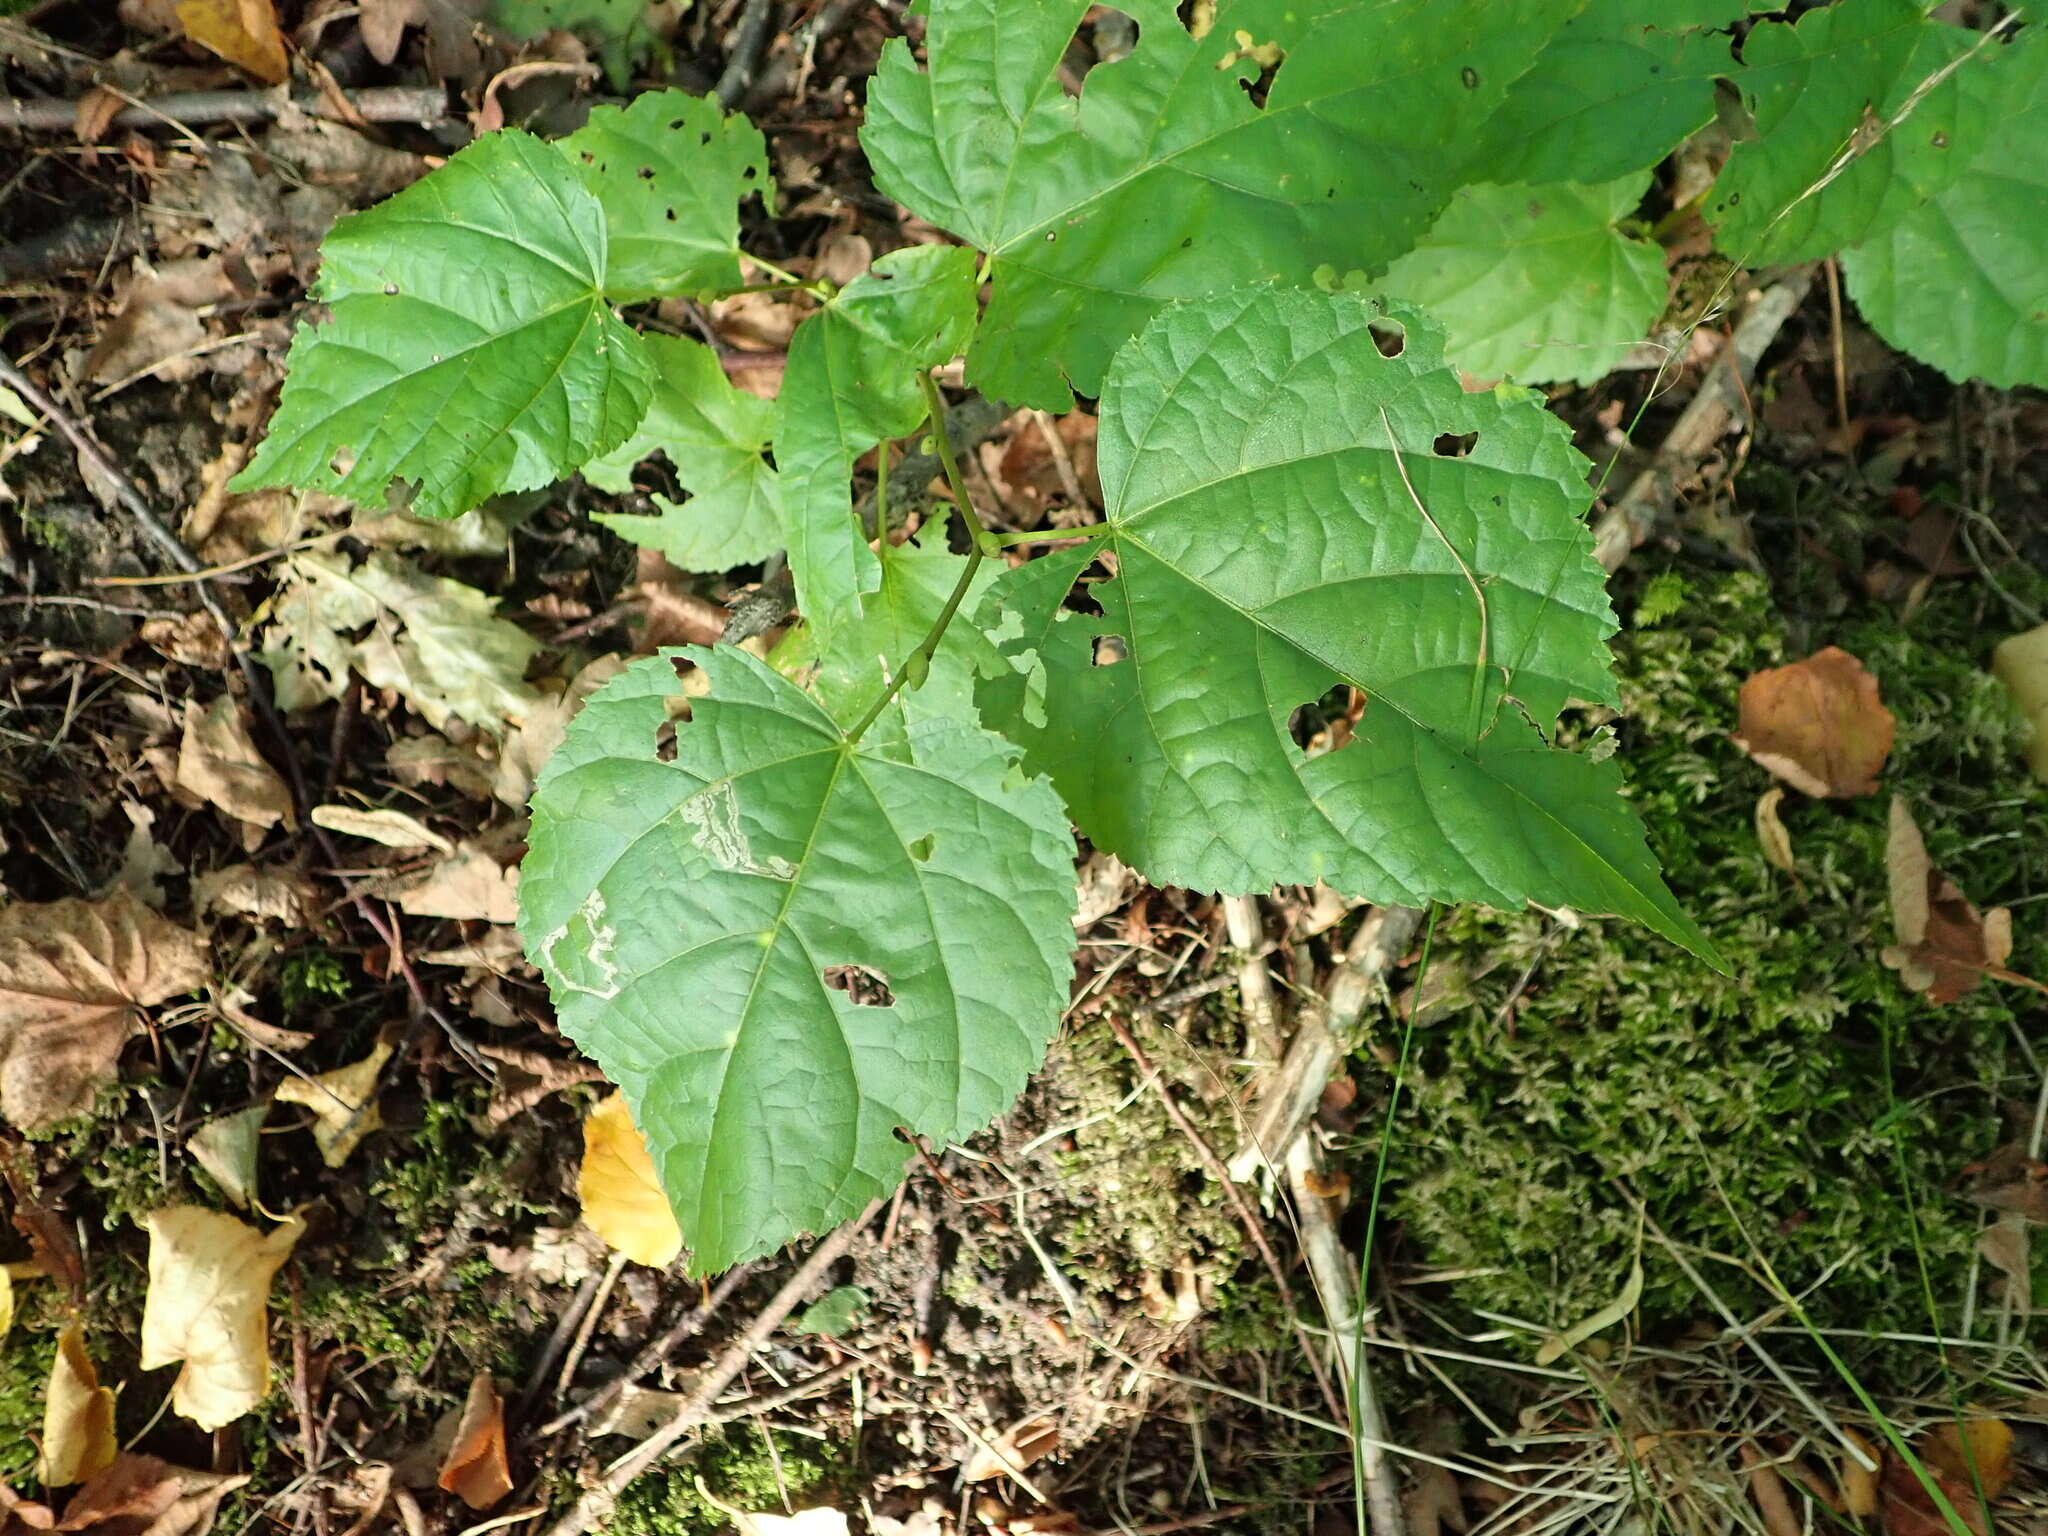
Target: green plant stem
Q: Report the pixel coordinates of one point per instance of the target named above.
(1053, 535)
(918, 663)
(784, 277)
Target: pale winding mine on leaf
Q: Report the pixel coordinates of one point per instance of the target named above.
(729, 889)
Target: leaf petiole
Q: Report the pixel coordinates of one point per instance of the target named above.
(917, 665)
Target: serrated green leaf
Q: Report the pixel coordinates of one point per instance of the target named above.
(1307, 535)
(1617, 88)
(835, 1312)
(716, 438)
(670, 171)
(689, 916)
(1165, 180)
(470, 349)
(1961, 280)
(1536, 283)
(1821, 92)
(851, 381)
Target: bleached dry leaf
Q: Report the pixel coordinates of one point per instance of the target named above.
(1771, 835)
(822, 1521)
(219, 763)
(527, 748)
(226, 1148)
(2021, 663)
(144, 860)
(619, 1192)
(437, 644)
(78, 1416)
(1943, 946)
(342, 1102)
(394, 829)
(475, 1470)
(469, 884)
(72, 976)
(267, 895)
(434, 759)
(1818, 724)
(244, 32)
(638, 1412)
(207, 1306)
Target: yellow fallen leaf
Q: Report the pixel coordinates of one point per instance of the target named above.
(2021, 663)
(6, 1302)
(343, 1102)
(622, 1198)
(78, 1416)
(1859, 1478)
(1979, 1449)
(244, 32)
(209, 1285)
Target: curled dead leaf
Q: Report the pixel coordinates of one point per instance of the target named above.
(218, 762)
(620, 1193)
(208, 1307)
(244, 32)
(78, 1416)
(72, 976)
(475, 1469)
(1818, 724)
(1944, 946)
(343, 1103)
(1014, 1450)
(1771, 835)
(136, 1494)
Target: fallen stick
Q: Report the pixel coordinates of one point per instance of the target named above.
(595, 1507)
(1319, 1045)
(1723, 398)
(377, 104)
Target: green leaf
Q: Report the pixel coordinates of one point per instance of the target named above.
(1820, 93)
(1165, 180)
(918, 576)
(1309, 533)
(691, 916)
(470, 349)
(670, 171)
(716, 439)
(835, 1312)
(1535, 283)
(851, 381)
(1617, 88)
(1961, 280)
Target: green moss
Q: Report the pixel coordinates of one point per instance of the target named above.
(309, 977)
(1141, 1199)
(736, 1465)
(1805, 1109)
(25, 1360)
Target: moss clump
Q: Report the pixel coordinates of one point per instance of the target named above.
(1141, 1199)
(1805, 1109)
(739, 1469)
(25, 1360)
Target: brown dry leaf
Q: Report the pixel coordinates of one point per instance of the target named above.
(2021, 663)
(2009, 1180)
(218, 762)
(343, 1103)
(78, 1416)
(244, 32)
(469, 884)
(1943, 946)
(638, 1412)
(142, 1496)
(526, 1077)
(1818, 724)
(534, 742)
(619, 1191)
(2004, 1246)
(159, 326)
(72, 976)
(1773, 1501)
(1907, 1509)
(1015, 1449)
(1434, 1504)
(434, 759)
(53, 1251)
(1973, 1453)
(1771, 835)
(189, 639)
(1859, 1481)
(452, 50)
(207, 1306)
(475, 1469)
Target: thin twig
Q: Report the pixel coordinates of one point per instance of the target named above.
(597, 1503)
(377, 104)
(756, 23)
(1254, 1228)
